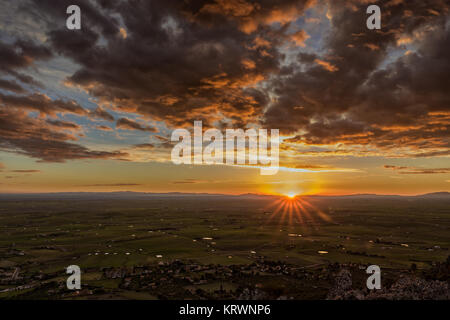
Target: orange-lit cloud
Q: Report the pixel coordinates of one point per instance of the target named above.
(326, 65)
(300, 37)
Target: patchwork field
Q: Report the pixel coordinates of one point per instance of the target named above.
(39, 238)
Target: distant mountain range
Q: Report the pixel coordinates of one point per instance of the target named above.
(144, 195)
(369, 195)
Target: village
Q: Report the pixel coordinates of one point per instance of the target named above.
(260, 280)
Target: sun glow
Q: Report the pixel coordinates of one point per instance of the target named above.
(293, 209)
(291, 195)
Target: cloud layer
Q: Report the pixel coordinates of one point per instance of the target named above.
(236, 63)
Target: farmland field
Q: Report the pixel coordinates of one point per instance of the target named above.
(192, 239)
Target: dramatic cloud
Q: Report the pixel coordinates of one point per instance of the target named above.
(326, 65)
(104, 128)
(144, 146)
(127, 124)
(113, 185)
(300, 37)
(190, 181)
(41, 103)
(20, 55)
(11, 86)
(412, 170)
(37, 138)
(64, 124)
(250, 15)
(239, 63)
(101, 113)
(359, 93)
(178, 62)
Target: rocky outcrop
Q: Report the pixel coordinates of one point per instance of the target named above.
(406, 288)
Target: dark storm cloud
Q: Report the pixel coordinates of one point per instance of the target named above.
(172, 65)
(15, 58)
(21, 55)
(22, 133)
(64, 124)
(345, 96)
(128, 124)
(222, 60)
(41, 103)
(94, 14)
(11, 86)
(249, 15)
(101, 113)
(36, 138)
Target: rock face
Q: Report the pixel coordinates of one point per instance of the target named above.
(252, 295)
(342, 289)
(412, 288)
(343, 283)
(406, 288)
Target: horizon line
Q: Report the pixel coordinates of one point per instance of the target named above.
(226, 194)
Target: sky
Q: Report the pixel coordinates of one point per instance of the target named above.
(358, 110)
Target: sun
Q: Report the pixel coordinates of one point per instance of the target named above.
(293, 208)
(291, 195)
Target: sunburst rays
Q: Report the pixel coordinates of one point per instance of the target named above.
(293, 210)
